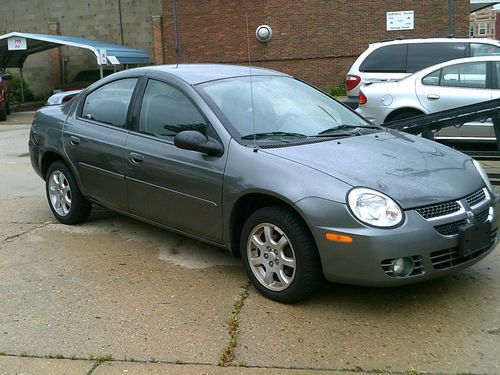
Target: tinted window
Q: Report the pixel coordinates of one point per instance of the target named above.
(423, 55)
(465, 75)
(166, 111)
(497, 69)
(109, 103)
(479, 49)
(386, 59)
(432, 79)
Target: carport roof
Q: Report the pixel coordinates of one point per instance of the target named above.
(41, 42)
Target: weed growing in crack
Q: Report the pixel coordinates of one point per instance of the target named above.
(227, 356)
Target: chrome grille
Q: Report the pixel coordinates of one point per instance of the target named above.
(437, 210)
(418, 269)
(475, 198)
(481, 217)
(449, 257)
(450, 229)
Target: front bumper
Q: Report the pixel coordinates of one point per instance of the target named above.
(362, 261)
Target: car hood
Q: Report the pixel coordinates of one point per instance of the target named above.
(412, 170)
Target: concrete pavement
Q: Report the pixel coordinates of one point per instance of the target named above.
(119, 296)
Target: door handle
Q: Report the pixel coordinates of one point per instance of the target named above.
(433, 97)
(136, 158)
(74, 141)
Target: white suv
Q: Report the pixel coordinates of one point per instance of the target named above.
(396, 59)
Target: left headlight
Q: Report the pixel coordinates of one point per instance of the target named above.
(483, 174)
(374, 208)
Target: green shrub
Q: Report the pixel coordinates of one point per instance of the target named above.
(337, 91)
(15, 90)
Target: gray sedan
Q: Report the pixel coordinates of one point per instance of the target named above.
(444, 86)
(294, 183)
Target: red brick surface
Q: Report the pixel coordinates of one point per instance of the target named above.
(316, 40)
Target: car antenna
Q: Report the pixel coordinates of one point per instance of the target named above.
(255, 148)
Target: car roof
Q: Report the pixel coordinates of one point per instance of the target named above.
(437, 40)
(197, 73)
(458, 61)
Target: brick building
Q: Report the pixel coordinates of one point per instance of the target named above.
(482, 23)
(316, 40)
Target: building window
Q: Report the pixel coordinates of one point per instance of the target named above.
(482, 28)
(471, 31)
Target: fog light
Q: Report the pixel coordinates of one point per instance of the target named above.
(402, 266)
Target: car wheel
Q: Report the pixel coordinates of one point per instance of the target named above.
(280, 254)
(66, 201)
(3, 114)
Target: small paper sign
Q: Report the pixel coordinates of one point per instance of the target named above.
(16, 43)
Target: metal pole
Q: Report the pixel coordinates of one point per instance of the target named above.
(121, 21)
(496, 127)
(176, 35)
(451, 18)
(101, 72)
(22, 84)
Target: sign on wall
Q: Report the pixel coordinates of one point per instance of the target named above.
(403, 20)
(16, 43)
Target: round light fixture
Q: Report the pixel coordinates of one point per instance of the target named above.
(402, 266)
(264, 33)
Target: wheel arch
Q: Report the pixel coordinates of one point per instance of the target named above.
(245, 206)
(413, 110)
(49, 157)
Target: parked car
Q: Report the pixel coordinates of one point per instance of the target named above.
(4, 96)
(444, 86)
(290, 180)
(82, 80)
(396, 59)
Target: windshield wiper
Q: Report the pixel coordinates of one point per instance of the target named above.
(271, 134)
(344, 127)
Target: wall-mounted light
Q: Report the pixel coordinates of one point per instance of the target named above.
(264, 33)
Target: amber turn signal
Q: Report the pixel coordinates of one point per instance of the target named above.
(338, 237)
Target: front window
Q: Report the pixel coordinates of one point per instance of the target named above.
(481, 49)
(279, 107)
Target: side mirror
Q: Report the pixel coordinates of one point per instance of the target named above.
(195, 141)
(6, 77)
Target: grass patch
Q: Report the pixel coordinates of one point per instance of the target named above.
(104, 358)
(227, 356)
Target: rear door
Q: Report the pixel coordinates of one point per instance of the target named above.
(94, 140)
(455, 86)
(177, 188)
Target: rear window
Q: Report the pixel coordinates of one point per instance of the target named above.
(389, 59)
(423, 55)
(480, 49)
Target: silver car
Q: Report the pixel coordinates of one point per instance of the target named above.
(444, 86)
(285, 177)
(396, 59)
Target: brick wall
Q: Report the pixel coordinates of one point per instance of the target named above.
(316, 40)
(92, 19)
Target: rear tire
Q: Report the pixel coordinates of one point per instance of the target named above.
(280, 254)
(66, 201)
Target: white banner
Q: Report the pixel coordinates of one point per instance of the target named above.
(16, 43)
(103, 58)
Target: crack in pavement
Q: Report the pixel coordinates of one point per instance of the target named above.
(15, 236)
(227, 356)
(355, 369)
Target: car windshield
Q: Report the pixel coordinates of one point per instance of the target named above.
(280, 107)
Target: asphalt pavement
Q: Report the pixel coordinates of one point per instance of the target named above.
(115, 296)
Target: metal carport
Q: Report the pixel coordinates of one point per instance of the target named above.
(16, 47)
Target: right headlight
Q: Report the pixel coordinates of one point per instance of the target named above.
(374, 208)
(483, 174)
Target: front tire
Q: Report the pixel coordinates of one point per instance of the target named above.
(66, 201)
(280, 254)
